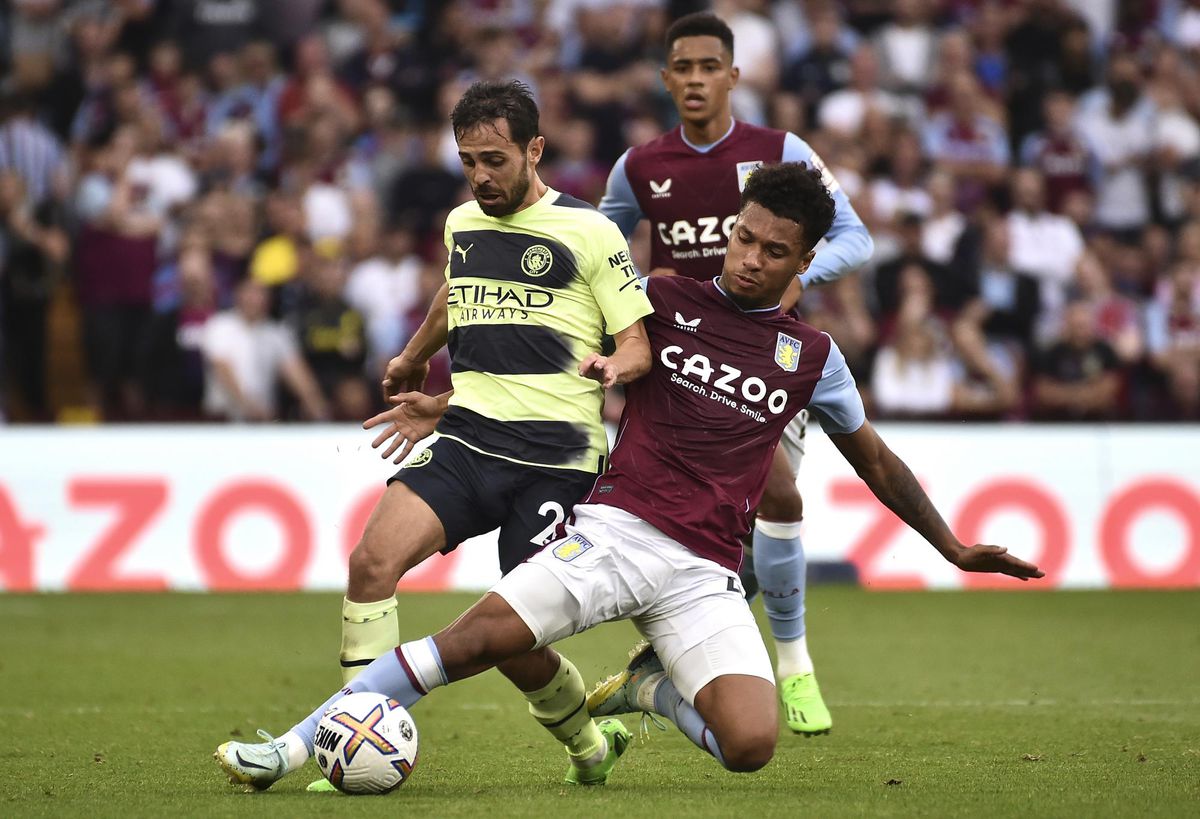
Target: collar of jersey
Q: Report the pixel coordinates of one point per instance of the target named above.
(706, 148)
(717, 284)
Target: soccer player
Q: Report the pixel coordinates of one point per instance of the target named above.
(534, 279)
(657, 539)
(686, 184)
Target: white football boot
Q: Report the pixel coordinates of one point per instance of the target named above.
(259, 764)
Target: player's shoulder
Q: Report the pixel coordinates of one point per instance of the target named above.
(565, 205)
(642, 157)
(749, 129)
(817, 341)
(465, 212)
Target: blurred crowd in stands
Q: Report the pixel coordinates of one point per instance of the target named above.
(233, 208)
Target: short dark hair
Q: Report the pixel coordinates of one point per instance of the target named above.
(793, 190)
(700, 24)
(485, 102)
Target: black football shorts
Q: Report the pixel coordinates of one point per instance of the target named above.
(472, 493)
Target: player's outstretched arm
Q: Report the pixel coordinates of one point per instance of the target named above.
(897, 489)
(630, 361)
(407, 371)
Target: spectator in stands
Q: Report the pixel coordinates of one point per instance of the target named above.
(172, 356)
(1078, 376)
(208, 27)
(573, 170)
(1059, 152)
(34, 250)
(843, 112)
(1117, 317)
(246, 355)
(1117, 120)
(115, 260)
(823, 67)
(386, 289)
(944, 223)
(31, 150)
(906, 47)
(902, 189)
(1042, 244)
(1173, 331)
(333, 339)
(968, 143)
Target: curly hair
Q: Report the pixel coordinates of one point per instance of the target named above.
(485, 102)
(700, 24)
(793, 190)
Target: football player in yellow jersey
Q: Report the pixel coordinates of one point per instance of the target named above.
(534, 280)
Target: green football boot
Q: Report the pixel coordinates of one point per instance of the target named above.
(803, 707)
(618, 737)
(619, 693)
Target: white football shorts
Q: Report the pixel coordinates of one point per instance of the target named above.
(612, 565)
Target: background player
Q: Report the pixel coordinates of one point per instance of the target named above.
(534, 278)
(687, 184)
(718, 388)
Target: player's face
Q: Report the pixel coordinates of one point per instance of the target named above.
(497, 169)
(765, 252)
(700, 77)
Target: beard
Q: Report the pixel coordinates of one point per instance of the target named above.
(510, 201)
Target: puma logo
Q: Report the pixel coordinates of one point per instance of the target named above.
(462, 251)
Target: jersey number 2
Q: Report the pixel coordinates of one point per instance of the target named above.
(557, 515)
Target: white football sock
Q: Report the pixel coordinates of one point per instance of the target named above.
(792, 658)
(297, 751)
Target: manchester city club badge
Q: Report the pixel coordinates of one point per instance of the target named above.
(787, 353)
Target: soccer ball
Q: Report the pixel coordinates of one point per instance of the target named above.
(366, 743)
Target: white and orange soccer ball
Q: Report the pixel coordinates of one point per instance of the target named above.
(366, 743)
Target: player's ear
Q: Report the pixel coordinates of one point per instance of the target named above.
(806, 261)
(533, 151)
(734, 73)
(662, 72)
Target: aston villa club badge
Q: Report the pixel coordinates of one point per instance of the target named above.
(787, 353)
(744, 169)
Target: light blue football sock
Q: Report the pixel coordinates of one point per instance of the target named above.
(669, 703)
(405, 674)
(780, 567)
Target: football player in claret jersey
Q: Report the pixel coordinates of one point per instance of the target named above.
(534, 278)
(657, 539)
(687, 184)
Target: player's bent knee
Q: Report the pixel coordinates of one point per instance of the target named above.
(748, 751)
(373, 570)
(781, 503)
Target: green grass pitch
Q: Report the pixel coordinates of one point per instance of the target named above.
(984, 704)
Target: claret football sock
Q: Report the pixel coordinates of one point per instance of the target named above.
(406, 674)
(369, 630)
(561, 708)
(780, 567)
(668, 702)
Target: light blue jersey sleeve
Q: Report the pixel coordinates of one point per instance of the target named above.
(619, 204)
(848, 244)
(835, 402)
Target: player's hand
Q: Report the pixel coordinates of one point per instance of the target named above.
(981, 558)
(599, 368)
(404, 375)
(412, 419)
(662, 271)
